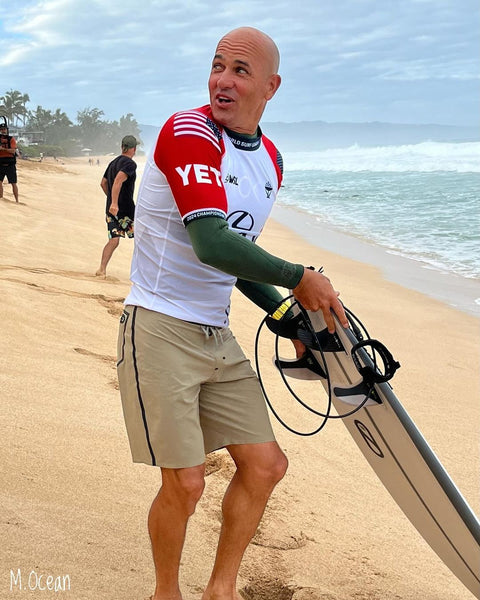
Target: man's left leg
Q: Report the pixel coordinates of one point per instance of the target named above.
(15, 191)
(259, 468)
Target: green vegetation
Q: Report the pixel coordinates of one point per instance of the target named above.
(53, 133)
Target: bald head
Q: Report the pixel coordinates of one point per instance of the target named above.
(255, 40)
(243, 78)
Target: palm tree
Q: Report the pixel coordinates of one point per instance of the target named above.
(13, 105)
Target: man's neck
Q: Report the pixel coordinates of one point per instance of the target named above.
(244, 141)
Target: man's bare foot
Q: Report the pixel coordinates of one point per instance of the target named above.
(102, 275)
(172, 598)
(209, 595)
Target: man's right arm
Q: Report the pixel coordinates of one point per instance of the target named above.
(188, 153)
(116, 187)
(216, 245)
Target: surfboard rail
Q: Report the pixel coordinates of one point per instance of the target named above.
(394, 447)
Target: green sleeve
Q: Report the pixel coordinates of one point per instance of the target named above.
(264, 295)
(216, 245)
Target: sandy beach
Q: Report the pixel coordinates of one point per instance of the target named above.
(74, 507)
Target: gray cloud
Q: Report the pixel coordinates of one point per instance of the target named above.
(345, 60)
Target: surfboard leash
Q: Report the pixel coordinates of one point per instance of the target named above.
(283, 324)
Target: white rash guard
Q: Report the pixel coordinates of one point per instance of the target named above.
(196, 170)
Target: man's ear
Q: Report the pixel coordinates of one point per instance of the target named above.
(273, 85)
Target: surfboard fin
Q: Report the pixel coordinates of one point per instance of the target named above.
(322, 340)
(295, 328)
(356, 394)
(286, 327)
(305, 367)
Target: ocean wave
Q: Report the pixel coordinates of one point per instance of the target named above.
(431, 217)
(424, 157)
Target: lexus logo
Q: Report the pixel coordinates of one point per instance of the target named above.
(369, 439)
(241, 220)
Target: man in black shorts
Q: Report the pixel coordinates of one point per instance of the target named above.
(118, 183)
(8, 159)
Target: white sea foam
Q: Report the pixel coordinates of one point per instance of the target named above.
(431, 217)
(423, 157)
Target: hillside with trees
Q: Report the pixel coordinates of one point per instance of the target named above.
(52, 133)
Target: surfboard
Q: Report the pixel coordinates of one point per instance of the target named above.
(388, 438)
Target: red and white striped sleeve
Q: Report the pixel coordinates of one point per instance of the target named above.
(189, 152)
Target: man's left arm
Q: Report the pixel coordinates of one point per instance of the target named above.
(268, 298)
(104, 185)
(264, 295)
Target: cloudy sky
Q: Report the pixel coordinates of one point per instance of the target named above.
(399, 61)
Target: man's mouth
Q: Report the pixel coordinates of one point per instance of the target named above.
(224, 100)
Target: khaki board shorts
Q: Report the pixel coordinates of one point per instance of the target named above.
(186, 390)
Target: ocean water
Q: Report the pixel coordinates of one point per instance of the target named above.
(420, 201)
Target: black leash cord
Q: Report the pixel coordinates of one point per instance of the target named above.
(365, 340)
(267, 399)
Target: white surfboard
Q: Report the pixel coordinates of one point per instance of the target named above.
(395, 449)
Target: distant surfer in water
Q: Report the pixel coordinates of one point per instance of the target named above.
(187, 388)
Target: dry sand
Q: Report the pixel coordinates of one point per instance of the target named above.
(74, 506)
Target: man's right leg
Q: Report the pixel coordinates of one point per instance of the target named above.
(108, 250)
(167, 524)
(1, 189)
(161, 364)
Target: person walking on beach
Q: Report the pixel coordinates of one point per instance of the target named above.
(8, 160)
(187, 388)
(118, 184)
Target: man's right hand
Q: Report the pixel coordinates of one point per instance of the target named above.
(113, 210)
(315, 292)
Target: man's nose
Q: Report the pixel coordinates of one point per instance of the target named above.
(225, 80)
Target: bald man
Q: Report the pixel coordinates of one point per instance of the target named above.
(187, 388)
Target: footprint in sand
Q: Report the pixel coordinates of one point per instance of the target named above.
(7, 201)
(103, 357)
(114, 306)
(62, 273)
(111, 360)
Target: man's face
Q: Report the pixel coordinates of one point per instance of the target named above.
(241, 82)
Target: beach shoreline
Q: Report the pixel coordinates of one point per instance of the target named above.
(459, 292)
(74, 504)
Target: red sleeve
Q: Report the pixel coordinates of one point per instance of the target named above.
(189, 152)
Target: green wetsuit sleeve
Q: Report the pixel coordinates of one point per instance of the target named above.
(216, 245)
(264, 295)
